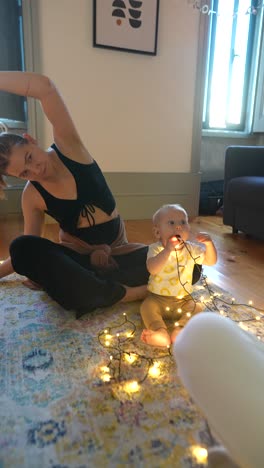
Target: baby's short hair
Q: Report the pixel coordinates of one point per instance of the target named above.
(163, 208)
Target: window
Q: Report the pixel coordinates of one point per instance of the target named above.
(234, 30)
(13, 109)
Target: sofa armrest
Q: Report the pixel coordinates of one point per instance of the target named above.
(244, 161)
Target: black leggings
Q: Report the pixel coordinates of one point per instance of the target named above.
(69, 278)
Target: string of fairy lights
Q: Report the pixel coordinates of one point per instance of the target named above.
(117, 338)
(205, 8)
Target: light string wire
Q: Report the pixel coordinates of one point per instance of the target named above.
(188, 294)
(118, 353)
(205, 8)
(214, 297)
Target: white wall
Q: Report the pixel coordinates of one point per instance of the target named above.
(134, 112)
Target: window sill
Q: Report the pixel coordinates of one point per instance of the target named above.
(14, 124)
(226, 134)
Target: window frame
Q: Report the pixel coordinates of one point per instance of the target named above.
(28, 59)
(251, 90)
(29, 11)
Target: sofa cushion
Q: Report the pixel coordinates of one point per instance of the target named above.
(247, 191)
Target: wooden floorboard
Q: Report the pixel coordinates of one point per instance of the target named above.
(240, 265)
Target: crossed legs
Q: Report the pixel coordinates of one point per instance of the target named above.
(67, 276)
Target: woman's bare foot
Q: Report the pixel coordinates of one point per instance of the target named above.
(156, 338)
(32, 285)
(175, 333)
(136, 293)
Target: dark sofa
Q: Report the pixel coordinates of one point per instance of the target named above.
(244, 190)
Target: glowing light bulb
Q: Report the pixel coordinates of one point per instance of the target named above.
(243, 326)
(106, 331)
(167, 308)
(257, 317)
(131, 387)
(233, 300)
(108, 337)
(221, 312)
(124, 313)
(250, 303)
(179, 311)
(154, 370)
(106, 378)
(130, 358)
(107, 343)
(199, 453)
(118, 334)
(189, 314)
(105, 369)
(202, 298)
(176, 324)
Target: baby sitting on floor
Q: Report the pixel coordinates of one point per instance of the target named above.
(170, 262)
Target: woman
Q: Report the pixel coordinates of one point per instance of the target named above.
(86, 270)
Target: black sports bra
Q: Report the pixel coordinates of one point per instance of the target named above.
(92, 190)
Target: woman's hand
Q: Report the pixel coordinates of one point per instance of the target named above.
(101, 258)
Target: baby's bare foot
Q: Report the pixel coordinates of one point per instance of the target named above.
(156, 338)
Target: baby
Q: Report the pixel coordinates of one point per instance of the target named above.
(170, 262)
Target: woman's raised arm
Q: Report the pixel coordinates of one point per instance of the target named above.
(42, 88)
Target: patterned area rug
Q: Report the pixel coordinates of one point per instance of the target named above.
(88, 393)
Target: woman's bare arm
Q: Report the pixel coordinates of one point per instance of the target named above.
(42, 88)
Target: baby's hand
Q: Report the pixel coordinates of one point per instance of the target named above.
(203, 237)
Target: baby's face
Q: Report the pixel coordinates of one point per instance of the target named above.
(173, 222)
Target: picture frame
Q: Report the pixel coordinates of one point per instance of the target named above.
(126, 25)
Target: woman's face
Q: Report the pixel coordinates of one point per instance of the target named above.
(28, 162)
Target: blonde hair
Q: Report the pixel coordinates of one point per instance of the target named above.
(7, 142)
(157, 215)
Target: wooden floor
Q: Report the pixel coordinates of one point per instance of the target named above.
(240, 266)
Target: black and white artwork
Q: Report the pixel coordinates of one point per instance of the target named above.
(128, 25)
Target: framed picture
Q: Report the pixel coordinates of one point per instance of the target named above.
(127, 25)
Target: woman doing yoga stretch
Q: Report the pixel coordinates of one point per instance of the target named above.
(93, 261)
